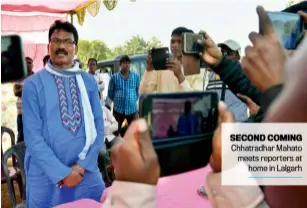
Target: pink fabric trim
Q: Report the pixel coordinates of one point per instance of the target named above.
(36, 23)
(51, 6)
(37, 53)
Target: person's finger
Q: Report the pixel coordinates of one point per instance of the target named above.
(221, 108)
(114, 152)
(246, 66)
(60, 184)
(255, 38)
(206, 36)
(225, 114)
(146, 147)
(303, 15)
(244, 98)
(265, 22)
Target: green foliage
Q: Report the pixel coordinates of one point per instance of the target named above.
(290, 3)
(99, 50)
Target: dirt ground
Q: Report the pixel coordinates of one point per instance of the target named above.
(5, 196)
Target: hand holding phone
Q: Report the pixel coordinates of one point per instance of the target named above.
(288, 26)
(181, 127)
(159, 57)
(149, 66)
(13, 65)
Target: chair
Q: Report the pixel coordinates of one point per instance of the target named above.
(14, 172)
(17, 151)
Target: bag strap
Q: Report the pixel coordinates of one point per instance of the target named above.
(223, 92)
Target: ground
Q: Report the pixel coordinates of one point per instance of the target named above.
(5, 197)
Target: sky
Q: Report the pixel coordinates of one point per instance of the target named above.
(221, 19)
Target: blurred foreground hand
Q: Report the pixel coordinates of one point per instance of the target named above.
(264, 62)
(134, 158)
(216, 157)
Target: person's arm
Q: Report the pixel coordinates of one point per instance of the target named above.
(232, 196)
(232, 75)
(148, 82)
(111, 89)
(34, 140)
(17, 90)
(268, 96)
(101, 86)
(138, 86)
(92, 155)
(123, 195)
(114, 124)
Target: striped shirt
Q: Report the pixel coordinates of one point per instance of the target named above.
(239, 108)
(124, 92)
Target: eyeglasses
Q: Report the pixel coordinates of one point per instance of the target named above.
(66, 42)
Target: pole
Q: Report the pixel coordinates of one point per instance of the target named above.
(71, 18)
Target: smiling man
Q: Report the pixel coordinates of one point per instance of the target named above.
(63, 127)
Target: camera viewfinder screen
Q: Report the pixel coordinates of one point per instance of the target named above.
(183, 117)
(288, 26)
(191, 45)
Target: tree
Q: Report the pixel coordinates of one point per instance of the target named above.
(136, 45)
(99, 50)
(92, 49)
(292, 2)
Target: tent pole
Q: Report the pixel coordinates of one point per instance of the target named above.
(71, 18)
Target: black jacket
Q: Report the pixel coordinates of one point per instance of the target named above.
(232, 75)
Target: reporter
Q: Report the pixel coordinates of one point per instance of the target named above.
(173, 79)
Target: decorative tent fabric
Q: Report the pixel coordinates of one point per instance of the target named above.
(33, 29)
(78, 7)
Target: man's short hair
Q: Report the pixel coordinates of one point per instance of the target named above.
(65, 26)
(124, 58)
(91, 59)
(46, 58)
(28, 58)
(179, 30)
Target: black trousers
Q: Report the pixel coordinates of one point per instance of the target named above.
(20, 137)
(120, 119)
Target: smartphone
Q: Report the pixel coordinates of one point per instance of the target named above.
(159, 57)
(181, 126)
(13, 65)
(289, 27)
(190, 45)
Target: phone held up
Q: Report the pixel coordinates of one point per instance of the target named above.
(181, 127)
(289, 27)
(191, 60)
(13, 65)
(159, 58)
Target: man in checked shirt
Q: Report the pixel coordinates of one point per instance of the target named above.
(124, 92)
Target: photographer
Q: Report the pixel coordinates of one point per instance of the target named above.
(232, 50)
(172, 79)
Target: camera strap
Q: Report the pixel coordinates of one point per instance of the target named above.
(223, 92)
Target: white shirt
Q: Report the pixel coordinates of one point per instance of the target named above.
(106, 79)
(110, 124)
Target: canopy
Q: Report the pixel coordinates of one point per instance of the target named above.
(54, 6)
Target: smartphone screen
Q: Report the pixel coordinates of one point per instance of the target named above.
(159, 57)
(13, 66)
(181, 127)
(180, 115)
(190, 45)
(289, 27)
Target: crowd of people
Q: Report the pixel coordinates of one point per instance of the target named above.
(66, 116)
